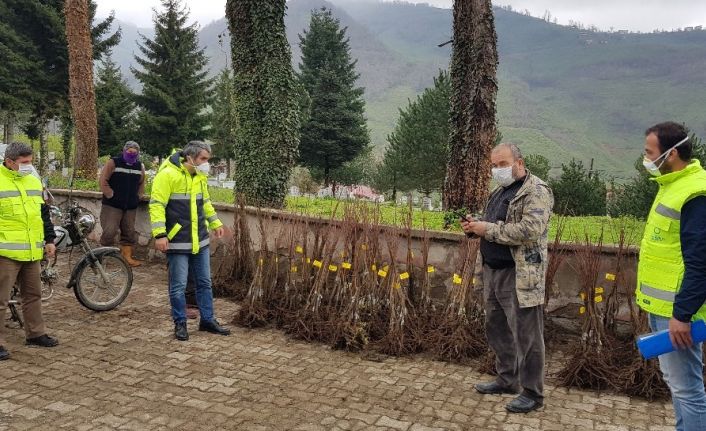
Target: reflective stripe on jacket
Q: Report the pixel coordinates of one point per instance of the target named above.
(181, 208)
(21, 226)
(661, 267)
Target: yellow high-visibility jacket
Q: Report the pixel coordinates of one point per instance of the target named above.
(21, 226)
(661, 268)
(181, 208)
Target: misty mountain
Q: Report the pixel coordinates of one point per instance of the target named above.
(565, 92)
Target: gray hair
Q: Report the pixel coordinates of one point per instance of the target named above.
(194, 148)
(131, 144)
(514, 149)
(16, 150)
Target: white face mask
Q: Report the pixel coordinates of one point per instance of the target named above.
(503, 176)
(651, 165)
(25, 169)
(204, 168)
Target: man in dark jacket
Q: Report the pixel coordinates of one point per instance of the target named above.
(122, 182)
(511, 267)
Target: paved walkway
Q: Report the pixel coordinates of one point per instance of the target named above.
(123, 370)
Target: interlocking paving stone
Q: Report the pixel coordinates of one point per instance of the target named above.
(123, 370)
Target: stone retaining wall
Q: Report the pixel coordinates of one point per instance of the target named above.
(444, 250)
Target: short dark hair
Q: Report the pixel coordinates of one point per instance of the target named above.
(670, 134)
(16, 150)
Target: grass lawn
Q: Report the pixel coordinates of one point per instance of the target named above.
(574, 228)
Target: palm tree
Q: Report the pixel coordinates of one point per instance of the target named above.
(473, 127)
(81, 90)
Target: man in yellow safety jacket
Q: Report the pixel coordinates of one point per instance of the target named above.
(671, 274)
(26, 232)
(181, 214)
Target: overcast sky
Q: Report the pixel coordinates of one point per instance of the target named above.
(637, 15)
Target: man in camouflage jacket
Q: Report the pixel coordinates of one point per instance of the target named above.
(511, 267)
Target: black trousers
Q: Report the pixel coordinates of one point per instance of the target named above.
(515, 334)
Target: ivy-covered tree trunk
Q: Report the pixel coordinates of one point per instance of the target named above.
(43, 148)
(266, 100)
(473, 127)
(8, 127)
(67, 132)
(81, 90)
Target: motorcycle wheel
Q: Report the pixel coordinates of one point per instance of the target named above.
(93, 293)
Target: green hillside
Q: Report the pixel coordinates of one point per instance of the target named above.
(564, 92)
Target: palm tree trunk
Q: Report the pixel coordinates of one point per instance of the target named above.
(81, 89)
(473, 127)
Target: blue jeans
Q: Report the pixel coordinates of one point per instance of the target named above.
(180, 264)
(683, 372)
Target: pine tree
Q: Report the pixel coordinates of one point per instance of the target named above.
(224, 126)
(418, 146)
(34, 73)
(335, 131)
(361, 170)
(116, 109)
(175, 89)
(473, 128)
(266, 99)
(538, 165)
(578, 192)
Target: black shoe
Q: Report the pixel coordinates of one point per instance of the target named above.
(213, 327)
(42, 341)
(180, 332)
(523, 404)
(495, 388)
(4, 354)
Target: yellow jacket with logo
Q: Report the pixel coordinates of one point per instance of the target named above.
(661, 268)
(181, 208)
(21, 226)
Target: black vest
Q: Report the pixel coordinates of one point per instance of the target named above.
(125, 183)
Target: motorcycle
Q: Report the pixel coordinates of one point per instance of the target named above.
(101, 279)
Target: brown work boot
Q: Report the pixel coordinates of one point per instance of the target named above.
(126, 251)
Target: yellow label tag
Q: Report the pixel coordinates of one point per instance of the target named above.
(332, 268)
(374, 267)
(599, 290)
(299, 249)
(364, 246)
(583, 296)
(317, 264)
(397, 285)
(386, 268)
(598, 298)
(457, 279)
(261, 262)
(294, 269)
(404, 276)
(411, 253)
(382, 273)
(610, 277)
(308, 260)
(582, 310)
(346, 265)
(430, 269)
(276, 259)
